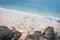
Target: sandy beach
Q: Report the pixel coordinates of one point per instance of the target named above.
(24, 21)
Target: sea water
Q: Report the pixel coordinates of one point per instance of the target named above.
(40, 7)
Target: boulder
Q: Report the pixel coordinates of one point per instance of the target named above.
(49, 33)
(5, 33)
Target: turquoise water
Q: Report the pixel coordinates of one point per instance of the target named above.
(41, 7)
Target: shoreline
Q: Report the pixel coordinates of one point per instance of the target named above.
(24, 21)
(29, 13)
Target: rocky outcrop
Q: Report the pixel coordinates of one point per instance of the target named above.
(6, 33)
(48, 34)
(16, 34)
(36, 36)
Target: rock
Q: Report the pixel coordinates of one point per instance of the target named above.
(35, 36)
(29, 37)
(6, 33)
(49, 33)
(58, 38)
(16, 34)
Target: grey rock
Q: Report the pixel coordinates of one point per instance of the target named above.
(49, 33)
(16, 34)
(29, 37)
(6, 33)
(35, 36)
(58, 38)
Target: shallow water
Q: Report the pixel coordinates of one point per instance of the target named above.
(41, 7)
